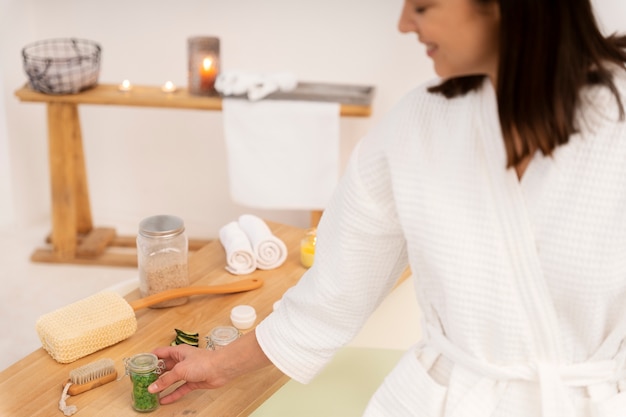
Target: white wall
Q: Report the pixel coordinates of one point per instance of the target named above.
(6, 189)
(611, 14)
(146, 161)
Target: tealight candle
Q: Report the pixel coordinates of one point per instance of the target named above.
(125, 86)
(168, 87)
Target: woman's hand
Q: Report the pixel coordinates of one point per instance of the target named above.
(199, 368)
(187, 364)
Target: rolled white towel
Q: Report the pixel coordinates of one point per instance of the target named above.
(286, 81)
(256, 85)
(260, 91)
(269, 250)
(240, 258)
(237, 82)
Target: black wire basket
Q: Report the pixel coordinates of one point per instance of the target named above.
(62, 66)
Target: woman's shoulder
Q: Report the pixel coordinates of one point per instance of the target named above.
(420, 115)
(431, 102)
(422, 107)
(601, 103)
(619, 78)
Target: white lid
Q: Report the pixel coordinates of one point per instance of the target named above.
(243, 313)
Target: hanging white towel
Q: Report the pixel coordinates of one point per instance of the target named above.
(269, 250)
(240, 259)
(282, 154)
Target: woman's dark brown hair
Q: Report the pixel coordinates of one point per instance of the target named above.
(549, 50)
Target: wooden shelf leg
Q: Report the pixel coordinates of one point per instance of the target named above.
(70, 206)
(84, 223)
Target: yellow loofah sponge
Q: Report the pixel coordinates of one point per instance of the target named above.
(106, 318)
(86, 326)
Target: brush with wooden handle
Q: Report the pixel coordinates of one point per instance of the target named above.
(85, 378)
(106, 318)
(91, 376)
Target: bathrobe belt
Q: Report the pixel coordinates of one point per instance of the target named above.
(599, 377)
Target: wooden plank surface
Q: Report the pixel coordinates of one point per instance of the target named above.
(32, 386)
(355, 100)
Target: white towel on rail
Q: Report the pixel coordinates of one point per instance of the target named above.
(281, 154)
(269, 250)
(240, 258)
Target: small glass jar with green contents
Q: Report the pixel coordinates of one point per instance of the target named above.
(144, 369)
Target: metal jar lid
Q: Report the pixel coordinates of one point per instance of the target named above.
(162, 225)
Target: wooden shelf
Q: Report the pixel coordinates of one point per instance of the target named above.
(355, 101)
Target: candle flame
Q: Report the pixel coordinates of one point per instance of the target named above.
(168, 87)
(125, 86)
(207, 63)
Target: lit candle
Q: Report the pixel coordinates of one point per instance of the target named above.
(208, 73)
(168, 87)
(307, 248)
(125, 86)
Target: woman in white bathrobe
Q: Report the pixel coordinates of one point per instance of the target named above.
(503, 186)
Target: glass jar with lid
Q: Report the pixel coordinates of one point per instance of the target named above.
(162, 256)
(221, 336)
(144, 369)
(307, 247)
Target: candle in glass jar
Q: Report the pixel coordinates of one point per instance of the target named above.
(208, 73)
(307, 248)
(203, 64)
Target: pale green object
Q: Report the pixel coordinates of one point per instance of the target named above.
(342, 389)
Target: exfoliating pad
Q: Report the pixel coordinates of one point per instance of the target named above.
(106, 318)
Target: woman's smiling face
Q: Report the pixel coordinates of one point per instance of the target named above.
(461, 36)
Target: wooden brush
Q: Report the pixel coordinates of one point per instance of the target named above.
(106, 318)
(91, 376)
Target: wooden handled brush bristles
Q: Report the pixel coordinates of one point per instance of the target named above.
(91, 376)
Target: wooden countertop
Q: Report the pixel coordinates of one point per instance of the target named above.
(32, 386)
(355, 101)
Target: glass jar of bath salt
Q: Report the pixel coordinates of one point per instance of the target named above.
(221, 336)
(307, 248)
(143, 369)
(162, 252)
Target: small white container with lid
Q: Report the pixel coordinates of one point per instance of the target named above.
(243, 316)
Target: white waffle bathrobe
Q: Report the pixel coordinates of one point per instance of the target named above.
(522, 283)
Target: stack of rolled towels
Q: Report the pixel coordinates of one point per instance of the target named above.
(250, 244)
